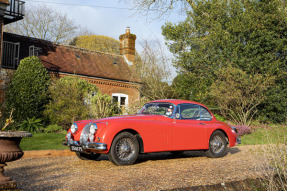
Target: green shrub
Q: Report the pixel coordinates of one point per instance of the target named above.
(31, 124)
(136, 105)
(238, 93)
(70, 97)
(27, 93)
(53, 129)
(102, 106)
(219, 117)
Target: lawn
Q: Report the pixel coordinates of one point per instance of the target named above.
(271, 135)
(43, 141)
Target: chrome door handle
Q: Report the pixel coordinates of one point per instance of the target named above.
(201, 123)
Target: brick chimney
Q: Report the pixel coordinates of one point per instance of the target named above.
(127, 46)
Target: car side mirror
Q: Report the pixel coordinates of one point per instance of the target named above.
(177, 115)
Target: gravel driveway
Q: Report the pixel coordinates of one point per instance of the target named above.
(157, 171)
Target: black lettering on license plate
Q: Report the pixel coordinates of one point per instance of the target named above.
(76, 148)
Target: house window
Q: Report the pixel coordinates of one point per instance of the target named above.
(120, 99)
(10, 55)
(34, 51)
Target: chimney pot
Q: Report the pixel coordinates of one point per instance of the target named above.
(128, 30)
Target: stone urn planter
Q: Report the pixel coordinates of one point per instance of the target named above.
(10, 151)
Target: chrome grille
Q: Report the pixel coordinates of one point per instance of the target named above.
(85, 135)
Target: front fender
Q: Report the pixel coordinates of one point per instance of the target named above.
(108, 133)
(228, 133)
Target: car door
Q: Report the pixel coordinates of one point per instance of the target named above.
(189, 130)
(157, 134)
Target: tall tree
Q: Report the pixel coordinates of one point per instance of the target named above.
(154, 71)
(248, 34)
(44, 23)
(97, 42)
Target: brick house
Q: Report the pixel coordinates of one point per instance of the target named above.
(111, 73)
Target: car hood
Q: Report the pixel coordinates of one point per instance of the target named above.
(122, 117)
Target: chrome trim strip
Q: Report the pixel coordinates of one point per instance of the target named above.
(96, 146)
(238, 140)
(89, 146)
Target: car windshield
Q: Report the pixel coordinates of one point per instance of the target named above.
(157, 109)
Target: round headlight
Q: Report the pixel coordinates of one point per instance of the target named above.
(74, 128)
(93, 128)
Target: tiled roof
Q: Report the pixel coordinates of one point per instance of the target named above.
(73, 60)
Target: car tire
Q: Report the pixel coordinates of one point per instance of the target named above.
(124, 149)
(217, 145)
(85, 156)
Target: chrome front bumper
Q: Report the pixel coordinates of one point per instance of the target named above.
(88, 146)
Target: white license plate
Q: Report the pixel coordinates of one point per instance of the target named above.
(76, 149)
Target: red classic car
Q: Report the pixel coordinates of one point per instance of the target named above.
(162, 125)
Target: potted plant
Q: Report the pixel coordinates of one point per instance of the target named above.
(9, 151)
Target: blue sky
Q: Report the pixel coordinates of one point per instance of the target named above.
(111, 22)
(112, 17)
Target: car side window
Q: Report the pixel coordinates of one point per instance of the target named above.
(190, 111)
(193, 111)
(204, 114)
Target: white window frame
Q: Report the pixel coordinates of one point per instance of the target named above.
(120, 95)
(34, 51)
(10, 54)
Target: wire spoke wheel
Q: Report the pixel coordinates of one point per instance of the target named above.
(125, 149)
(217, 145)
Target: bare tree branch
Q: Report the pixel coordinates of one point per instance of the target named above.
(44, 23)
(155, 72)
(159, 8)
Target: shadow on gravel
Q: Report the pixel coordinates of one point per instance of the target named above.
(167, 155)
(247, 185)
(233, 150)
(187, 154)
(31, 178)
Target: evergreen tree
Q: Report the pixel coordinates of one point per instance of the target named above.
(250, 35)
(27, 93)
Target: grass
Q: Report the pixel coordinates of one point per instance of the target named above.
(272, 135)
(43, 141)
